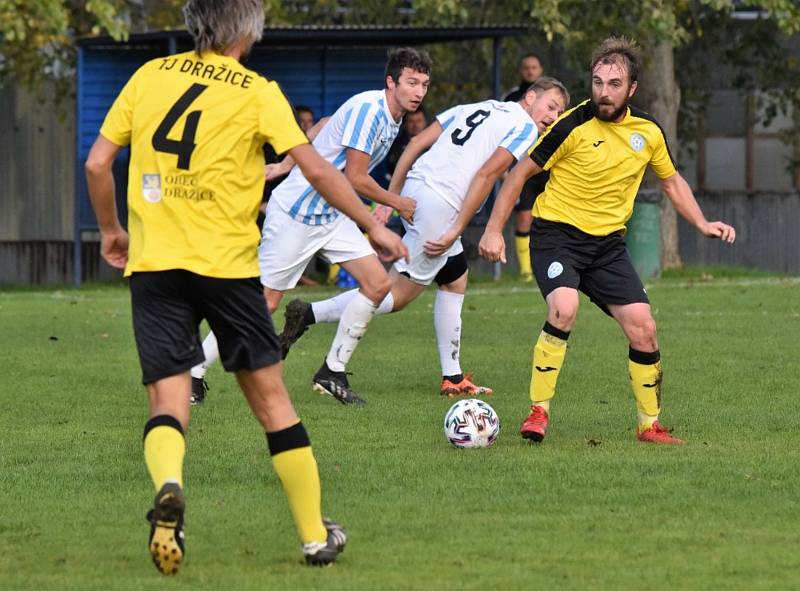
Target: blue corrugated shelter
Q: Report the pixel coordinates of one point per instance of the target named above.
(316, 66)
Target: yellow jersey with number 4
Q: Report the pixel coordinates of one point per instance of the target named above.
(596, 167)
(196, 126)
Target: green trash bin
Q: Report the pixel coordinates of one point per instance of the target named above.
(644, 233)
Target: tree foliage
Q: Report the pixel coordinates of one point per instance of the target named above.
(37, 36)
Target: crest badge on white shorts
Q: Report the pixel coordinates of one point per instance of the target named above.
(637, 142)
(151, 187)
(555, 269)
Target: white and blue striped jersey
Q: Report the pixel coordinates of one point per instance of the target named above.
(363, 123)
(471, 135)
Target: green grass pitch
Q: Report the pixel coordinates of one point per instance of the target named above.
(589, 508)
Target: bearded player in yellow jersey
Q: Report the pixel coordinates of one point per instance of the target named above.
(196, 123)
(597, 154)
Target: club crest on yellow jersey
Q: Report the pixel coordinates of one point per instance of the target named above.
(637, 142)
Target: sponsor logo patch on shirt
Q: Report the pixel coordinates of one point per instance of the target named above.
(151, 187)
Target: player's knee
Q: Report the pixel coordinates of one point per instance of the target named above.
(458, 286)
(562, 315)
(377, 289)
(266, 393)
(643, 334)
(649, 332)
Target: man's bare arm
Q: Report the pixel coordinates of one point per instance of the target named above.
(680, 194)
(492, 246)
(100, 181)
(357, 172)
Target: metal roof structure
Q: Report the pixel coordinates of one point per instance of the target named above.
(342, 35)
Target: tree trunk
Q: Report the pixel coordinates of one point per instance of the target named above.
(661, 97)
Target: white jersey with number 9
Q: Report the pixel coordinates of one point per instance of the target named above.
(471, 135)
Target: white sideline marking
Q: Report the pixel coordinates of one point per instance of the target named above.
(720, 314)
(529, 288)
(483, 290)
(787, 281)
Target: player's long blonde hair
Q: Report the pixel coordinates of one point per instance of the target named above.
(216, 25)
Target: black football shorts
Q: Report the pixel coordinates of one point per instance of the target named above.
(168, 307)
(599, 266)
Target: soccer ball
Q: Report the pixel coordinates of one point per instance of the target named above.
(471, 423)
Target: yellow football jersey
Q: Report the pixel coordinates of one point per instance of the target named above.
(596, 167)
(196, 126)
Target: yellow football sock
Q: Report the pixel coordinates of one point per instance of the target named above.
(523, 253)
(296, 467)
(164, 450)
(333, 272)
(548, 357)
(644, 370)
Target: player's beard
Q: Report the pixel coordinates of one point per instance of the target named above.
(614, 115)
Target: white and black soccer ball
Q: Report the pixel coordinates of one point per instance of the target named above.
(471, 423)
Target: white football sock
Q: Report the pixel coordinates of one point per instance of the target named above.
(330, 310)
(352, 326)
(447, 322)
(386, 306)
(211, 352)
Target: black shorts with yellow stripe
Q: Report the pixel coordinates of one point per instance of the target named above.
(599, 266)
(168, 307)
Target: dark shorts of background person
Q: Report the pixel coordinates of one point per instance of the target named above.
(168, 307)
(599, 266)
(532, 188)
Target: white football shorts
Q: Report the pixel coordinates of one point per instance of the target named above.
(287, 246)
(432, 217)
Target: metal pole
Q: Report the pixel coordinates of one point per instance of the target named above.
(323, 87)
(497, 51)
(77, 234)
